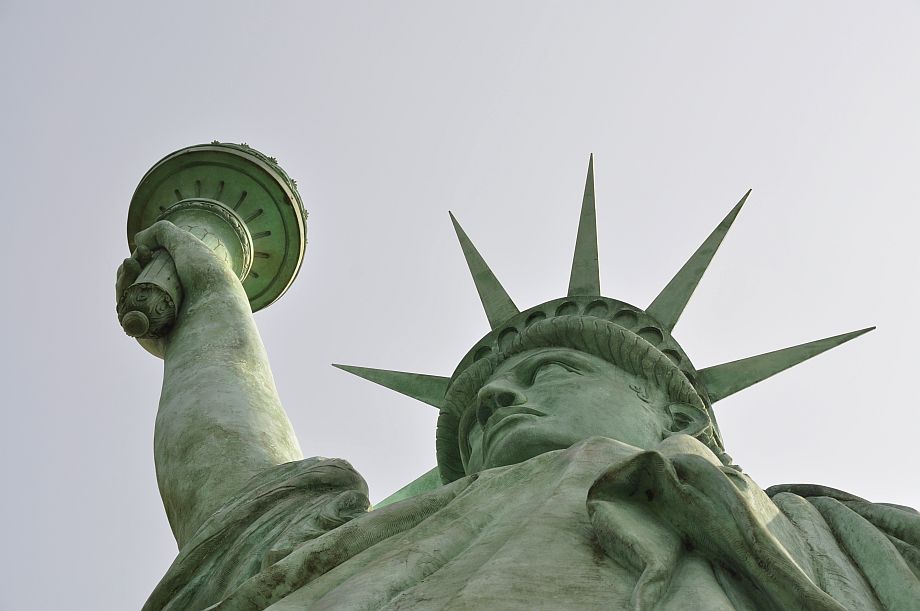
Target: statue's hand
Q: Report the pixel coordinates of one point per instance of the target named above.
(209, 284)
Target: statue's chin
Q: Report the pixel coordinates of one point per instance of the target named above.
(528, 440)
(521, 441)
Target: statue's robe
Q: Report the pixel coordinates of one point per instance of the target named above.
(601, 525)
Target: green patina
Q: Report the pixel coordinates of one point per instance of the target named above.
(580, 464)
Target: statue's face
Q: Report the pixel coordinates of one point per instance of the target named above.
(550, 398)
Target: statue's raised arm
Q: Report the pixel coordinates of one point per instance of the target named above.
(225, 245)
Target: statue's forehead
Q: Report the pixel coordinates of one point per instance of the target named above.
(531, 357)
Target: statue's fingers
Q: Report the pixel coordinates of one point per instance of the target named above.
(119, 282)
(177, 242)
(189, 254)
(152, 238)
(143, 254)
(132, 269)
(162, 234)
(127, 273)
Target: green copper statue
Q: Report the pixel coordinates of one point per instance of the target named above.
(580, 465)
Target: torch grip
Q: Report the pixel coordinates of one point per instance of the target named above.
(147, 309)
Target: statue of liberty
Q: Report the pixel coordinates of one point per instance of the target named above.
(579, 461)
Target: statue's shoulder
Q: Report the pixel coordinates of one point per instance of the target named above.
(881, 541)
(278, 510)
(843, 511)
(816, 491)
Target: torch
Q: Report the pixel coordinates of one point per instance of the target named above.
(237, 201)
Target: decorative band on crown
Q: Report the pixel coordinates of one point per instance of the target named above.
(620, 313)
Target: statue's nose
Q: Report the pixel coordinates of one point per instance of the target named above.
(495, 395)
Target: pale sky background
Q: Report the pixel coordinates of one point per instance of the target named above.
(389, 114)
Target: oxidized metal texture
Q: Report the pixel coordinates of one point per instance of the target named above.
(246, 182)
(229, 217)
(156, 305)
(152, 300)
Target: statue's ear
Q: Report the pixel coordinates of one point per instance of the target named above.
(687, 419)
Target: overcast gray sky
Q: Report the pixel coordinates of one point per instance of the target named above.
(388, 115)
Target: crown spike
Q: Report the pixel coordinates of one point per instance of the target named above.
(426, 388)
(495, 301)
(585, 278)
(723, 380)
(670, 303)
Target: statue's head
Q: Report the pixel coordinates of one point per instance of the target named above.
(543, 397)
(559, 379)
(581, 366)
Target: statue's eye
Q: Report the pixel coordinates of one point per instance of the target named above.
(551, 368)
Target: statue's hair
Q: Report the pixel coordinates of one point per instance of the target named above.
(594, 336)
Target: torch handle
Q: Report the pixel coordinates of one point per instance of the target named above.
(148, 308)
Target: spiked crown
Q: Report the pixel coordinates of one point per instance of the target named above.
(642, 337)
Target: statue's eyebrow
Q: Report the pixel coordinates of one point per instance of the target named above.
(530, 362)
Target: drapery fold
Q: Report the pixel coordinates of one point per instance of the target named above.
(599, 525)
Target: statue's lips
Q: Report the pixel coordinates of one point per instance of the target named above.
(504, 416)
